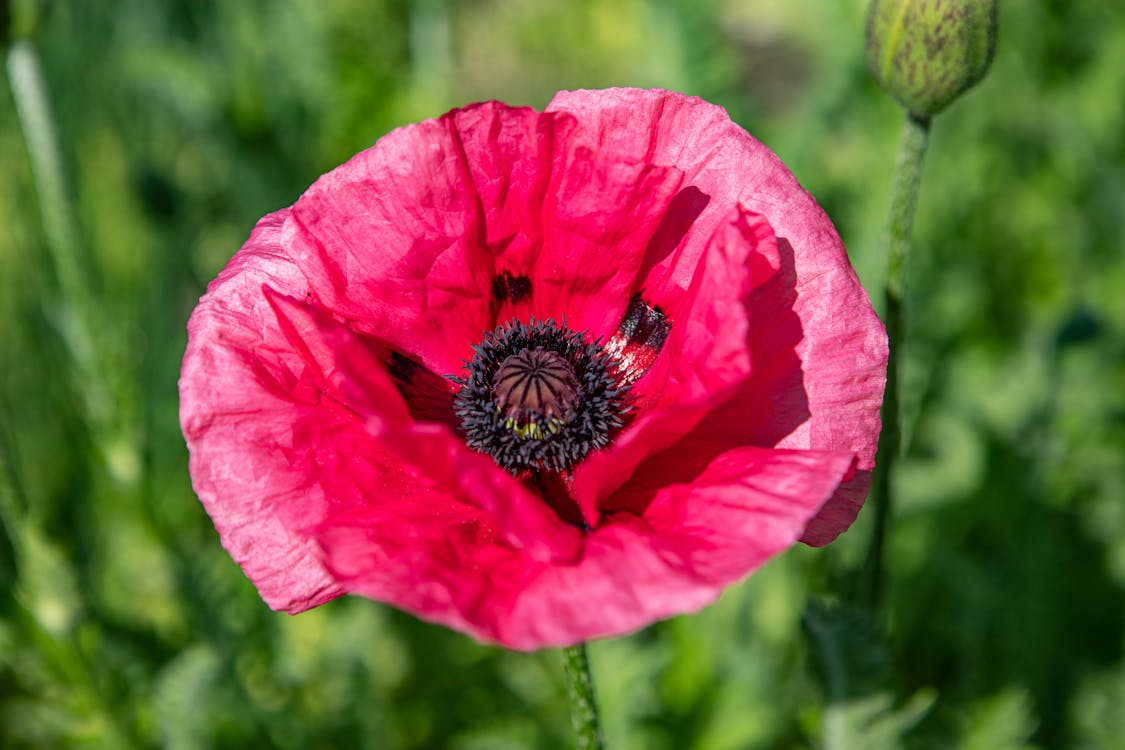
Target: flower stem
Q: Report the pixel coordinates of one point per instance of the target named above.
(904, 198)
(580, 692)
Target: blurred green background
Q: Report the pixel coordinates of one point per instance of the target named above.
(123, 623)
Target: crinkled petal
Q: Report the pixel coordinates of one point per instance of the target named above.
(284, 408)
(814, 387)
(843, 351)
(428, 238)
(242, 401)
(349, 367)
(404, 238)
(694, 538)
(601, 212)
(704, 356)
(354, 376)
(520, 516)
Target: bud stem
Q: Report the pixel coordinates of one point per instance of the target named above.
(904, 198)
(583, 704)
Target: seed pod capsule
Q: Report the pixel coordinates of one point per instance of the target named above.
(925, 53)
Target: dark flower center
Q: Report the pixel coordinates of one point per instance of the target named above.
(533, 383)
(539, 397)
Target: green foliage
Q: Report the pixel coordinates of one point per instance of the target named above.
(1002, 722)
(124, 624)
(858, 711)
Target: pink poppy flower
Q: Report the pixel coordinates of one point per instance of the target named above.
(540, 377)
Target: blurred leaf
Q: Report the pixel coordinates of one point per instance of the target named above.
(47, 583)
(1097, 711)
(1003, 722)
(873, 722)
(181, 699)
(853, 660)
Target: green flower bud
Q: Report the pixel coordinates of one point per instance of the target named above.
(926, 52)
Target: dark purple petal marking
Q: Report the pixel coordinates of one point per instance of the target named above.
(402, 368)
(639, 339)
(509, 287)
(428, 396)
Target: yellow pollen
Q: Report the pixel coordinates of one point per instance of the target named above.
(532, 430)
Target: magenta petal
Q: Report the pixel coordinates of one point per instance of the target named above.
(239, 414)
(454, 204)
(390, 533)
(285, 408)
(435, 457)
(704, 357)
(406, 237)
(441, 564)
(348, 365)
(830, 395)
(746, 507)
(521, 517)
(602, 213)
(819, 381)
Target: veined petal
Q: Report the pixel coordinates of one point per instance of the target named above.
(821, 369)
(693, 539)
(242, 402)
(602, 212)
(704, 356)
(405, 239)
(520, 516)
(351, 369)
(842, 350)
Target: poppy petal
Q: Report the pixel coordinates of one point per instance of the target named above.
(704, 357)
(694, 539)
(239, 414)
(837, 376)
(602, 212)
(402, 238)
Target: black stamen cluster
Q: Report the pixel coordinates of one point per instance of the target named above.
(530, 438)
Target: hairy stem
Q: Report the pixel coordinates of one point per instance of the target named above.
(583, 704)
(904, 198)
